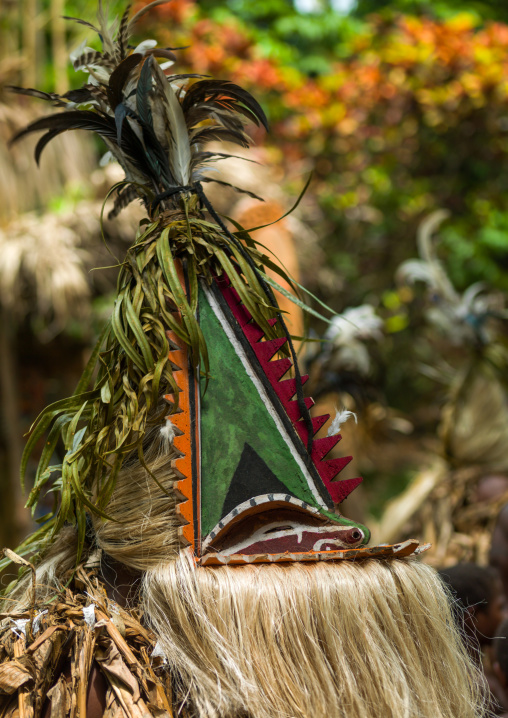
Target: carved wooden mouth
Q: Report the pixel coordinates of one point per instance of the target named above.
(279, 526)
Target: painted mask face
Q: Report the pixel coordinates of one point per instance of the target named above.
(250, 490)
(250, 486)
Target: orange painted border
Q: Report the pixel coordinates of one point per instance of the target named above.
(186, 440)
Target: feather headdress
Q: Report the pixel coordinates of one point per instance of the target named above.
(154, 124)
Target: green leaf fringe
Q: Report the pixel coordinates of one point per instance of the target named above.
(102, 426)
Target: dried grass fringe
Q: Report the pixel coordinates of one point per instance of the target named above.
(53, 660)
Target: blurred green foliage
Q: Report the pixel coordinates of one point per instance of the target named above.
(483, 9)
(399, 108)
(410, 116)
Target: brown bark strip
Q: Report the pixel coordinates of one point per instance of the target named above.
(124, 649)
(44, 637)
(19, 649)
(85, 660)
(8, 706)
(121, 680)
(58, 696)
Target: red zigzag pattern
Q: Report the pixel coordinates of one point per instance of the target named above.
(285, 389)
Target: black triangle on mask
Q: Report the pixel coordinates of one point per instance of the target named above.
(252, 477)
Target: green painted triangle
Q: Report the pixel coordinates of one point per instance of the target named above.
(234, 415)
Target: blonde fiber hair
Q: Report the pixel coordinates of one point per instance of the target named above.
(145, 529)
(374, 639)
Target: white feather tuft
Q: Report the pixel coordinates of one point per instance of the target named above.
(89, 615)
(168, 432)
(144, 46)
(355, 323)
(106, 158)
(37, 621)
(20, 626)
(340, 418)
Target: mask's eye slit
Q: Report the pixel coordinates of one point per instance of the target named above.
(278, 528)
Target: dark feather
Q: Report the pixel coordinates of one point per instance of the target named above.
(158, 158)
(231, 106)
(185, 76)
(29, 91)
(143, 90)
(196, 115)
(222, 117)
(120, 115)
(153, 146)
(123, 34)
(98, 92)
(92, 57)
(144, 10)
(121, 112)
(108, 60)
(120, 76)
(162, 53)
(85, 120)
(249, 103)
(150, 158)
(237, 189)
(82, 94)
(213, 110)
(227, 118)
(74, 119)
(41, 144)
(252, 116)
(221, 134)
(219, 112)
(203, 156)
(81, 22)
(227, 94)
(61, 122)
(39, 94)
(174, 49)
(124, 197)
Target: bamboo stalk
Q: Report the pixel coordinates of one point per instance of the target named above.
(58, 46)
(29, 41)
(9, 33)
(19, 650)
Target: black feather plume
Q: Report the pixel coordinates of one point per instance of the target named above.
(123, 35)
(154, 124)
